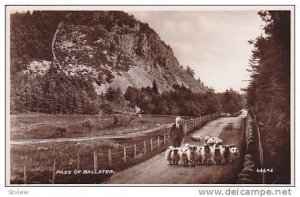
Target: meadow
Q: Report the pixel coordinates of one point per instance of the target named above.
(43, 126)
(35, 163)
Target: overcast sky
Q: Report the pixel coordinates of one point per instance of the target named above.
(213, 43)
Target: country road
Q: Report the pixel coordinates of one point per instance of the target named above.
(157, 171)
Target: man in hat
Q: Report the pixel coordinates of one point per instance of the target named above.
(177, 133)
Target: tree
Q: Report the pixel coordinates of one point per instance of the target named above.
(113, 94)
(190, 71)
(154, 87)
(270, 65)
(231, 101)
(268, 93)
(199, 80)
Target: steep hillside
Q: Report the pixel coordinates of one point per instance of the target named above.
(114, 49)
(91, 51)
(120, 52)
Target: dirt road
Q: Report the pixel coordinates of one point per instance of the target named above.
(157, 171)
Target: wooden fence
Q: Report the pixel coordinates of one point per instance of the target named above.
(95, 159)
(190, 124)
(112, 158)
(235, 114)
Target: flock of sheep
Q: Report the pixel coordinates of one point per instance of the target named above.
(212, 152)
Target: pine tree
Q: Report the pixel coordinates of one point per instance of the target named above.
(154, 87)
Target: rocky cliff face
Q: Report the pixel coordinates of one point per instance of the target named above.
(63, 62)
(114, 49)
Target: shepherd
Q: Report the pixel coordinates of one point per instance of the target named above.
(177, 133)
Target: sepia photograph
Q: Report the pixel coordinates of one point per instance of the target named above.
(150, 95)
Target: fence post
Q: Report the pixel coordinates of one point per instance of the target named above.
(109, 157)
(95, 161)
(134, 151)
(185, 128)
(25, 174)
(145, 148)
(78, 161)
(125, 154)
(54, 169)
(158, 142)
(165, 139)
(151, 145)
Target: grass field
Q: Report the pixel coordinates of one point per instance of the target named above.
(38, 159)
(44, 126)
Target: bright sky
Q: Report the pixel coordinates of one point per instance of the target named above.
(213, 43)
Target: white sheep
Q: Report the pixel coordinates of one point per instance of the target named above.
(206, 138)
(183, 156)
(207, 154)
(199, 148)
(215, 138)
(234, 154)
(219, 155)
(226, 154)
(175, 157)
(211, 141)
(186, 145)
(218, 141)
(196, 138)
(168, 154)
(192, 154)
